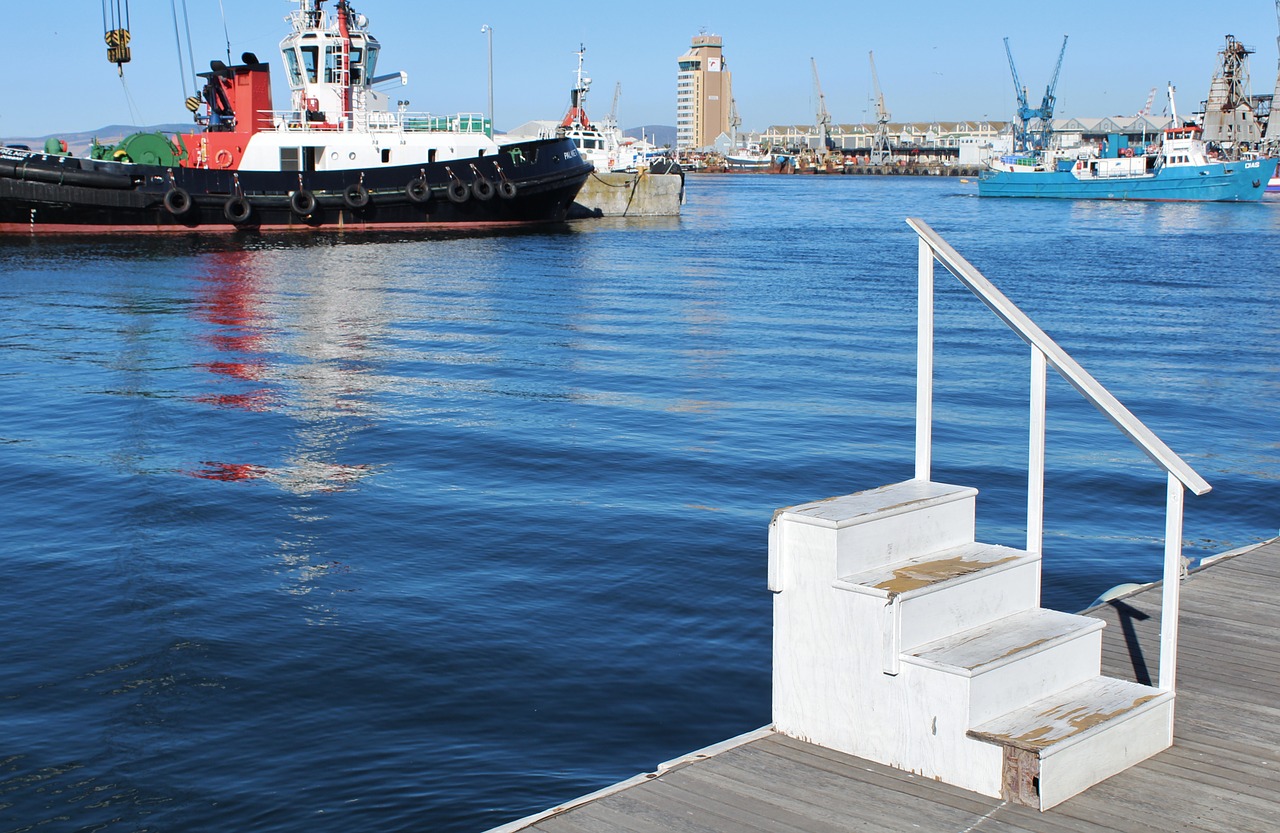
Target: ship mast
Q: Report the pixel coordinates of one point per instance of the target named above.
(344, 67)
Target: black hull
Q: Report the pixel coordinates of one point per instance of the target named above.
(526, 183)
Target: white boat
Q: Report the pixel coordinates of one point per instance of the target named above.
(600, 143)
(748, 158)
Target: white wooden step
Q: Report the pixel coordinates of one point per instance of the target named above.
(1016, 659)
(940, 594)
(864, 530)
(1061, 745)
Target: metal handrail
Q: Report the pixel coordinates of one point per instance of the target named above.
(1045, 352)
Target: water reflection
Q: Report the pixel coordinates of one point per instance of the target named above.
(287, 347)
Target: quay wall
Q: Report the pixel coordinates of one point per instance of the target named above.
(629, 195)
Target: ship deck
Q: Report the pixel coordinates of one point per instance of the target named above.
(1220, 774)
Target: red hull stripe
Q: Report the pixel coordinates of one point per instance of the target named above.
(89, 228)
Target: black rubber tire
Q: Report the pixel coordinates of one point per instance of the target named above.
(507, 189)
(177, 202)
(356, 196)
(458, 191)
(418, 191)
(237, 209)
(303, 202)
(482, 188)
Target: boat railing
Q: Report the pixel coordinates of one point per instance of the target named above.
(1045, 353)
(373, 121)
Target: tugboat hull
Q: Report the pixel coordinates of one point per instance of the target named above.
(525, 183)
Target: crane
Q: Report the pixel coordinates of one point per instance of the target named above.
(734, 123)
(115, 23)
(823, 117)
(613, 112)
(1025, 135)
(881, 153)
(1151, 97)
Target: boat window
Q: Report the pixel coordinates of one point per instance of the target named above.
(356, 55)
(291, 65)
(371, 65)
(290, 159)
(386, 156)
(332, 64)
(310, 61)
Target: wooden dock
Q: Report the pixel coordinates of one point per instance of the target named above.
(1222, 773)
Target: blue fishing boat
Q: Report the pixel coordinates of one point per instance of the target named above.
(1180, 167)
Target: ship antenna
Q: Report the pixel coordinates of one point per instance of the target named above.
(225, 33)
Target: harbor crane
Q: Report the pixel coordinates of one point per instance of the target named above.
(881, 152)
(823, 117)
(613, 113)
(734, 123)
(1033, 127)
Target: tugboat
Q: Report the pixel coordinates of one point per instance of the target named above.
(339, 158)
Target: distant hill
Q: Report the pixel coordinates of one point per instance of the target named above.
(78, 143)
(658, 134)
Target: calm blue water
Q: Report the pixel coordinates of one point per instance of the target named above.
(408, 533)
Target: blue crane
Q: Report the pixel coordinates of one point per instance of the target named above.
(1025, 136)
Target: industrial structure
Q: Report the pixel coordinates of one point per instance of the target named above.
(1230, 119)
(881, 148)
(704, 94)
(1033, 126)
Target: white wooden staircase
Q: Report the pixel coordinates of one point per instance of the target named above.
(900, 639)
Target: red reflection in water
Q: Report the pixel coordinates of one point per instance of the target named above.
(231, 303)
(249, 371)
(258, 401)
(230, 471)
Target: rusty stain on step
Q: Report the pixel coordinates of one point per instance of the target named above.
(915, 576)
(1063, 725)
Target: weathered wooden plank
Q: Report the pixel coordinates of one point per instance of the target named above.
(1172, 804)
(821, 786)
(633, 811)
(878, 780)
(823, 817)
(1212, 773)
(563, 824)
(772, 812)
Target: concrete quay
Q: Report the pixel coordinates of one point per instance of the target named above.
(639, 194)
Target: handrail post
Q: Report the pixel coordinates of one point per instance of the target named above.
(924, 364)
(1035, 462)
(1169, 600)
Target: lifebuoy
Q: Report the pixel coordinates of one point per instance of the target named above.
(177, 201)
(356, 196)
(237, 209)
(507, 189)
(418, 191)
(303, 202)
(223, 159)
(458, 191)
(482, 188)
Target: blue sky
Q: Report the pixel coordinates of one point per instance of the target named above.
(936, 60)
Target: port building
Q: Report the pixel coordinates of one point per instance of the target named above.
(704, 94)
(967, 142)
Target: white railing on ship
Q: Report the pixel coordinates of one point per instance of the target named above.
(374, 121)
(1045, 352)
